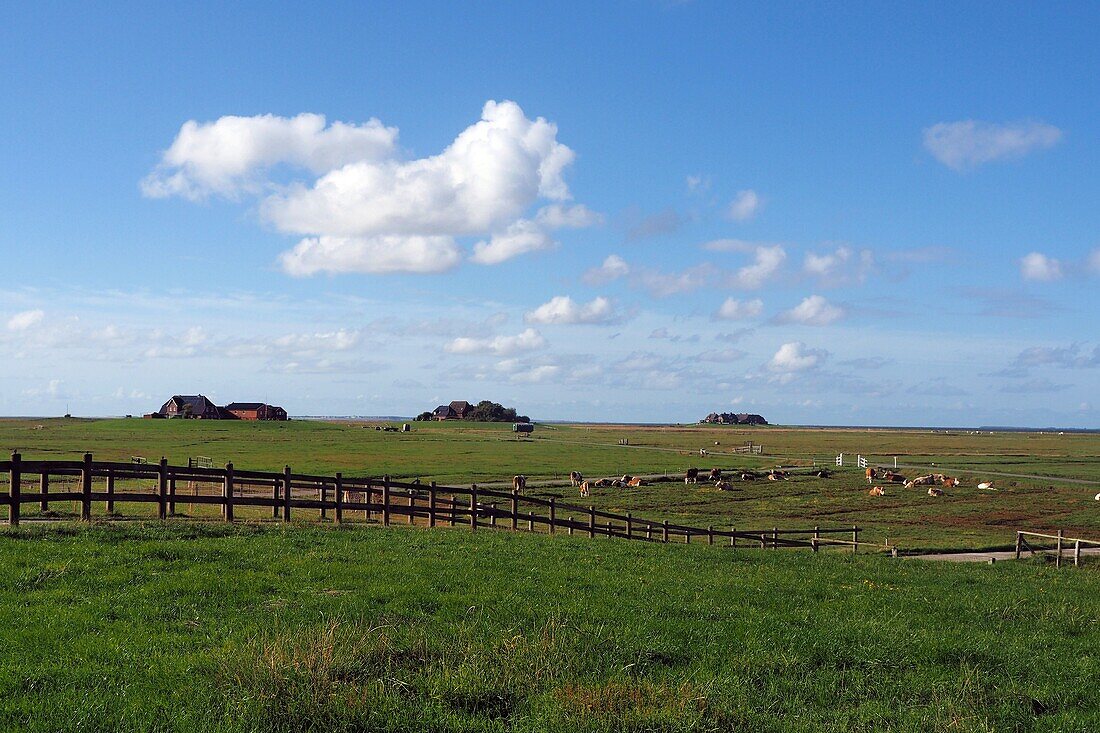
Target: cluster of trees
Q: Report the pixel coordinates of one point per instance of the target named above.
(485, 411)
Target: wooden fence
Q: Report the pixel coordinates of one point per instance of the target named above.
(346, 498)
(1062, 543)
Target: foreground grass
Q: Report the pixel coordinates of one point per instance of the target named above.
(187, 627)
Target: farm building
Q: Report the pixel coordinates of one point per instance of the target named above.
(457, 410)
(195, 407)
(255, 411)
(730, 418)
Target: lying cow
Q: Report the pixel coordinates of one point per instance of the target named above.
(519, 483)
(723, 485)
(635, 481)
(586, 489)
(691, 476)
(921, 481)
(877, 491)
(893, 477)
(778, 476)
(986, 485)
(603, 482)
(933, 491)
(575, 478)
(950, 482)
(822, 473)
(748, 476)
(872, 474)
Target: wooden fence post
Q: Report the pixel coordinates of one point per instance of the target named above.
(775, 538)
(369, 494)
(553, 515)
(664, 537)
(227, 493)
(687, 536)
(386, 501)
(172, 496)
(14, 488)
(162, 486)
(710, 535)
(570, 520)
(431, 504)
(733, 536)
(86, 488)
(473, 507)
(454, 514)
(855, 539)
(629, 526)
(1019, 544)
(44, 488)
(338, 513)
(412, 507)
(323, 494)
(1077, 553)
(1058, 559)
(591, 521)
(648, 530)
(275, 499)
(286, 493)
(515, 510)
(110, 491)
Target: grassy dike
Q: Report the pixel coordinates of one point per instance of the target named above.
(190, 627)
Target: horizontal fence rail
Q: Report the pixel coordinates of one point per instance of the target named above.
(1062, 544)
(378, 499)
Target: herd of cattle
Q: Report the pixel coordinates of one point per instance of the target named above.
(936, 482)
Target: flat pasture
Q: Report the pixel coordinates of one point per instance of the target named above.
(489, 454)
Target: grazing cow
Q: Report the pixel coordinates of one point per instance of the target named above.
(519, 483)
(748, 476)
(575, 478)
(691, 476)
(724, 485)
(987, 485)
(715, 474)
(872, 474)
(702, 452)
(635, 481)
(933, 491)
(877, 491)
(586, 489)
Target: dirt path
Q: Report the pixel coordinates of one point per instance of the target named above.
(1067, 555)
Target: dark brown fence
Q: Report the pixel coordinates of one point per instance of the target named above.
(345, 498)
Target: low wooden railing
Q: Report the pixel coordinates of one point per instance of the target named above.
(378, 499)
(1062, 543)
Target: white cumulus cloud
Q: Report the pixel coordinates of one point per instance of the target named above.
(744, 205)
(969, 143)
(528, 340)
(737, 310)
(562, 309)
(796, 357)
(1037, 266)
(767, 259)
(813, 311)
(841, 266)
(366, 210)
(613, 268)
(25, 320)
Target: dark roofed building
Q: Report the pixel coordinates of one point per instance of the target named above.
(461, 408)
(255, 411)
(196, 407)
(443, 412)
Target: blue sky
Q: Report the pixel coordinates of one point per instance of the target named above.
(640, 211)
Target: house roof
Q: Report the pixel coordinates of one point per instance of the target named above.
(460, 405)
(245, 405)
(198, 402)
(443, 410)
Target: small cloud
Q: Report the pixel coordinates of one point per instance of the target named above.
(562, 216)
(519, 238)
(1038, 385)
(796, 357)
(813, 311)
(528, 340)
(739, 310)
(767, 260)
(968, 144)
(25, 320)
(840, 267)
(664, 334)
(1066, 357)
(744, 206)
(698, 183)
(732, 337)
(613, 268)
(663, 222)
(562, 309)
(1040, 268)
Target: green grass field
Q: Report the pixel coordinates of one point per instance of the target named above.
(191, 627)
(462, 453)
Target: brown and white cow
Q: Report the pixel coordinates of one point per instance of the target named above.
(877, 491)
(586, 489)
(748, 476)
(691, 476)
(635, 481)
(921, 481)
(933, 491)
(715, 474)
(987, 485)
(723, 485)
(872, 474)
(575, 478)
(950, 482)
(893, 477)
(519, 483)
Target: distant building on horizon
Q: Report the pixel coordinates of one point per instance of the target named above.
(199, 407)
(457, 410)
(734, 418)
